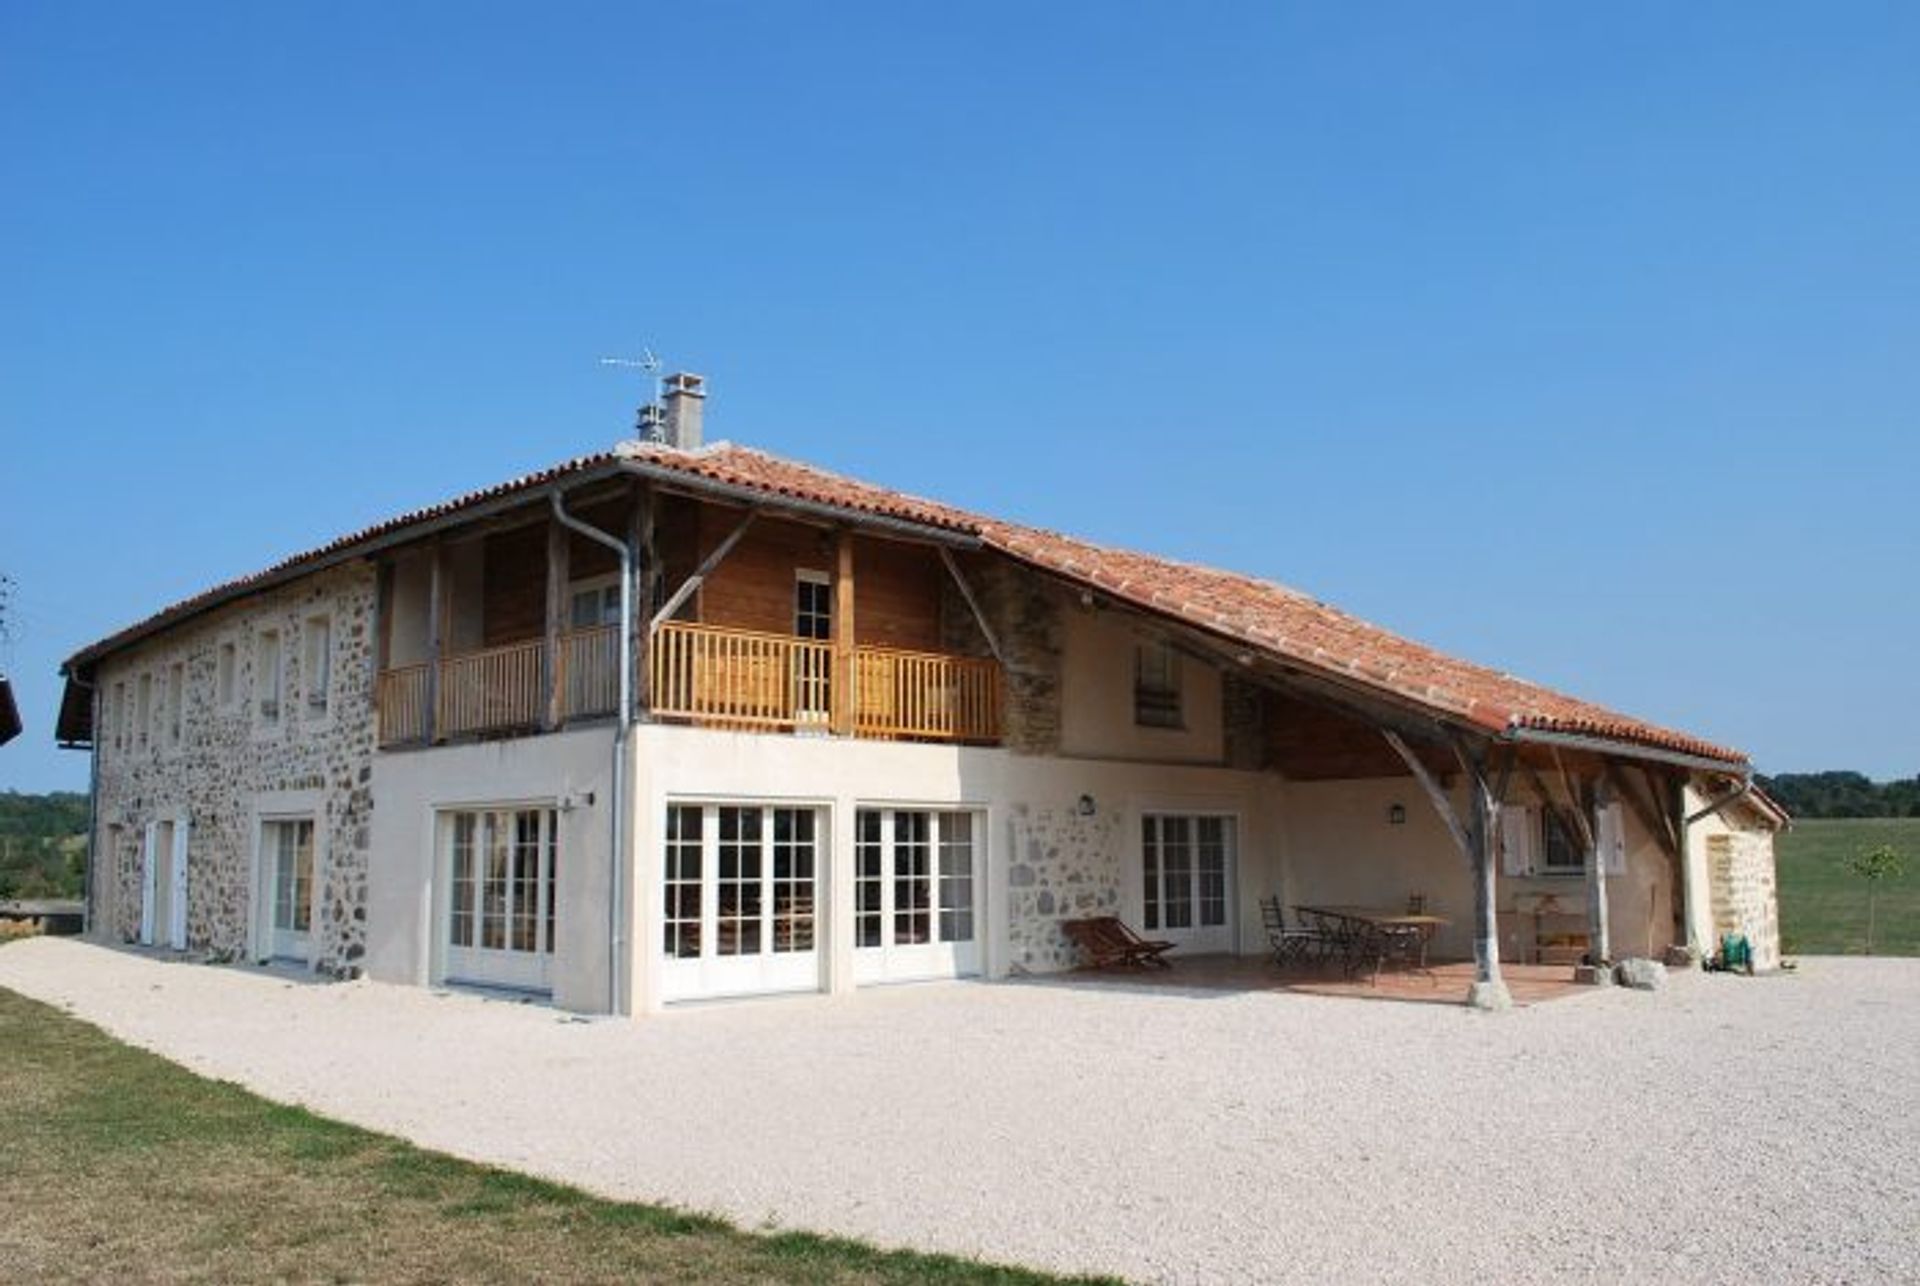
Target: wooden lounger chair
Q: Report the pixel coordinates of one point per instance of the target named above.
(1109, 944)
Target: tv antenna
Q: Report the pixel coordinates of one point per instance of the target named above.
(648, 421)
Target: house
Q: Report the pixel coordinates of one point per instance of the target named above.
(677, 720)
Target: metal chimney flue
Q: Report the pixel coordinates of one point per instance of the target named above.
(685, 397)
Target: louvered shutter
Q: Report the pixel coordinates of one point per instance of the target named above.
(1613, 840)
(1517, 830)
(149, 877)
(177, 904)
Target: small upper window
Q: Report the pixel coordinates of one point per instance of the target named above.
(812, 605)
(269, 674)
(226, 680)
(1560, 850)
(1156, 686)
(316, 664)
(118, 716)
(594, 602)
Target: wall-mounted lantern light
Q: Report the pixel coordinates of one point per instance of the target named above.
(1085, 806)
(1397, 815)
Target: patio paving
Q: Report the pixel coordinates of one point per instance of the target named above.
(1725, 1129)
(1445, 983)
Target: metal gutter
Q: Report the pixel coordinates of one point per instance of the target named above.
(616, 921)
(1625, 750)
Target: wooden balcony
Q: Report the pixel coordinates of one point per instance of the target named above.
(701, 674)
(744, 679)
(500, 689)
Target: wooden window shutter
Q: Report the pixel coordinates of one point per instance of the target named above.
(1517, 829)
(1613, 840)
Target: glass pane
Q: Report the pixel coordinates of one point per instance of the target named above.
(793, 866)
(1176, 856)
(738, 891)
(302, 876)
(956, 877)
(493, 882)
(1150, 871)
(912, 878)
(523, 920)
(552, 877)
(1212, 857)
(867, 878)
(461, 930)
(683, 891)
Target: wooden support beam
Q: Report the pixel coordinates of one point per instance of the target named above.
(1438, 796)
(439, 585)
(1657, 824)
(1598, 947)
(1476, 835)
(552, 662)
(700, 574)
(845, 698)
(646, 574)
(973, 605)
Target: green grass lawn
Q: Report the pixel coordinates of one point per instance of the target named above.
(1823, 905)
(117, 1165)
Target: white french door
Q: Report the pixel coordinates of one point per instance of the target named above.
(913, 895)
(501, 866)
(163, 885)
(739, 900)
(1186, 886)
(286, 850)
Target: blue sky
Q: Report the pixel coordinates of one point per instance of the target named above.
(1580, 340)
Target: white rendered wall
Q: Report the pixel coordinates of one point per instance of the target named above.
(1096, 694)
(403, 931)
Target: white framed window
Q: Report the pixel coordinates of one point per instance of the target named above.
(739, 892)
(1537, 842)
(176, 702)
(316, 664)
(812, 605)
(226, 675)
(593, 601)
(1186, 868)
(1156, 686)
(503, 868)
(269, 676)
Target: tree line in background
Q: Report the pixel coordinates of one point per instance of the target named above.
(1842, 794)
(43, 845)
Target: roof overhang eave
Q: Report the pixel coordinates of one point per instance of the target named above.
(1521, 734)
(774, 502)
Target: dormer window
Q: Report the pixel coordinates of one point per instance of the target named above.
(1156, 686)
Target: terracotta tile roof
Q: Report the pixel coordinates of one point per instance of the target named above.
(1258, 614)
(1261, 614)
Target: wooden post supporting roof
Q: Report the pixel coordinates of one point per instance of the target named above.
(438, 585)
(552, 663)
(1585, 810)
(844, 678)
(646, 574)
(1475, 834)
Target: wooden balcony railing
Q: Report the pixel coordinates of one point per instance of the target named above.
(492, 689)
(710, 675)
(590, 672)
(402, 702)
(926, 696)
(741, 678)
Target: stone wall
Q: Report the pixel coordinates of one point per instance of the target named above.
(227, 758)
(1024, 609)
(1063, 866)
(1740, 872)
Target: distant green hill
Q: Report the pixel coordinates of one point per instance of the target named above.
(43, 844)
(1842, 794)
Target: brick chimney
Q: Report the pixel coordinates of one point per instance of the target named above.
(686, 399)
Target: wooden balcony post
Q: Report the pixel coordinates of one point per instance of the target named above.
(845, 699)
(646, 573)
(553, 669)
(437, 586)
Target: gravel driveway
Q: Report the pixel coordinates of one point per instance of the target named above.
(1726, 1129)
